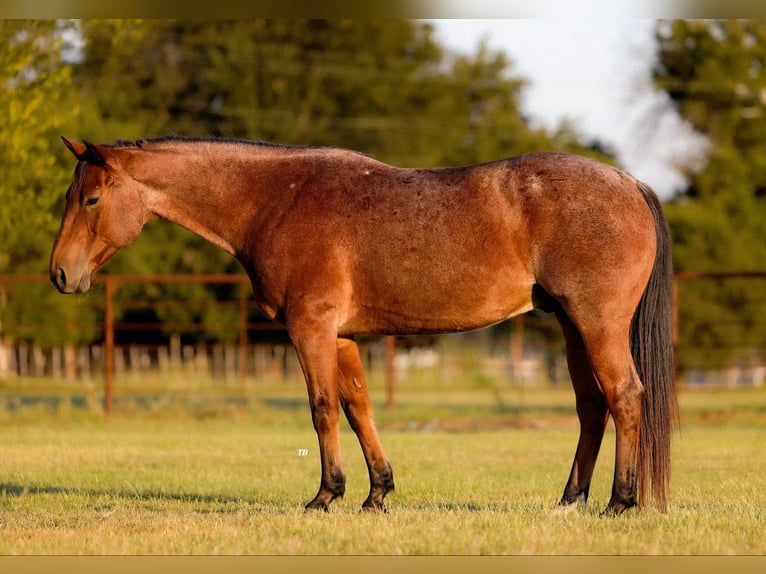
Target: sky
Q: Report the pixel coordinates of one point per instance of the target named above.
(595, 74)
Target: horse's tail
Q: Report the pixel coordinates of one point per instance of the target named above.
(651, 344)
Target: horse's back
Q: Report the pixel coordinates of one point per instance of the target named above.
(527, 213)
(460, 248)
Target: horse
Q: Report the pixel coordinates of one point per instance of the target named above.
(337, 244)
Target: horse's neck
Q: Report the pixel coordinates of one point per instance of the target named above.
(193, 192)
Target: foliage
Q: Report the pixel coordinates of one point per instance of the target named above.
(383, 87)
(39, 104)
(380, 87)
(715, 74)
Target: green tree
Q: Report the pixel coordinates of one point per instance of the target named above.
(715, 74)
(383, 87)
(38, 104)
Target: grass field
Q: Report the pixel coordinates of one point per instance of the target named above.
(478, 471)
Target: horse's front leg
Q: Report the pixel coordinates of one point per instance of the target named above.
(356, 404)
(315, 342)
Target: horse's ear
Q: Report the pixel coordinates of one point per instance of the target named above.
(77, 149)
(85, 151)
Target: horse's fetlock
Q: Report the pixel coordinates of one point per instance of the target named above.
(336, 482)
(384, 478)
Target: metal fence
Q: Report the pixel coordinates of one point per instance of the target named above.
(718, 332)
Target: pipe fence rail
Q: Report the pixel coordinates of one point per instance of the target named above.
(130, 324)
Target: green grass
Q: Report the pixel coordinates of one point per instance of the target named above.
(478, 471)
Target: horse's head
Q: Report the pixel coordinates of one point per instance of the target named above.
(104, 212)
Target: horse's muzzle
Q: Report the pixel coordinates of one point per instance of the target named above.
(67, 284)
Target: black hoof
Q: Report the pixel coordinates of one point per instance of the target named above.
(322, 501)
(374, 507)
(615, 509)
(312, 506)
(578, 502)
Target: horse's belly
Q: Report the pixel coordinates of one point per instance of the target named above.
(440, 309)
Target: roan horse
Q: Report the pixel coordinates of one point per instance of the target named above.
(338, 244)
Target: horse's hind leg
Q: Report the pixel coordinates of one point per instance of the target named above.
(356, 404)
(607, 345)
(591, 411)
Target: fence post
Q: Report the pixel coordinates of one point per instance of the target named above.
(517, 348)
(390, 373)
(109, 345)
(517, 357)
(243, 292)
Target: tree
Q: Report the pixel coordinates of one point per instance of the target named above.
(34, 92)
(715, 74)
(38, 104)
(383, 87)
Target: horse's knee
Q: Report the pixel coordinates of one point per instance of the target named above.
(324, 414)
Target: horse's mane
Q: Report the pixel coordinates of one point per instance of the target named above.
(176, 139)
(144, 142)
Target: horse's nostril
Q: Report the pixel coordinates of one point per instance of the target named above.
(61, 277)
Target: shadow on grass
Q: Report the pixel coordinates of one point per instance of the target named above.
(219, 504)
(222, 504)
(285, 403)
(15, 401)
(205, 503)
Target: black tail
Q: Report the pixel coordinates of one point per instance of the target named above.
(651, 344)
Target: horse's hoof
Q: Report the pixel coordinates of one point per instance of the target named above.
(563, 508)
(613, 510)
(316, 506)
(381, 508)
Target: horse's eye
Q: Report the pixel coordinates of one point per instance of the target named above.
(91, 201)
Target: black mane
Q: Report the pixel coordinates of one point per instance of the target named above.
(159, 140)
(141, 142)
